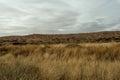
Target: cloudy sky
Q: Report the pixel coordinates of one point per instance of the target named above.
(19, 17)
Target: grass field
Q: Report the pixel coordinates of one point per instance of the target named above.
(85, 61)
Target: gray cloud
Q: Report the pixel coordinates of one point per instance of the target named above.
(98, 25)
(64, 20)
(58, 16)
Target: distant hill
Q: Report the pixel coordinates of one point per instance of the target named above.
(62, 38)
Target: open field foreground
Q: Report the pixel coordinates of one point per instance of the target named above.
(85, 61)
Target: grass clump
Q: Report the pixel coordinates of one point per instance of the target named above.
(87, 61)
(18, 71)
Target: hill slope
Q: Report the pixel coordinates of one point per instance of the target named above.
(62, 38)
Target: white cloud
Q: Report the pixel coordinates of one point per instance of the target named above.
(58, 16)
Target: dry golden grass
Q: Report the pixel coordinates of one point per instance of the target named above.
(86, 61)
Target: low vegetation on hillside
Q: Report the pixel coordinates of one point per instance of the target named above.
(85, 61)
(61, 38)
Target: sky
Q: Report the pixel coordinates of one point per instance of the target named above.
(19, 17)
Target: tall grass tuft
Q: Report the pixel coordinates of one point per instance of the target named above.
(86, 61)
